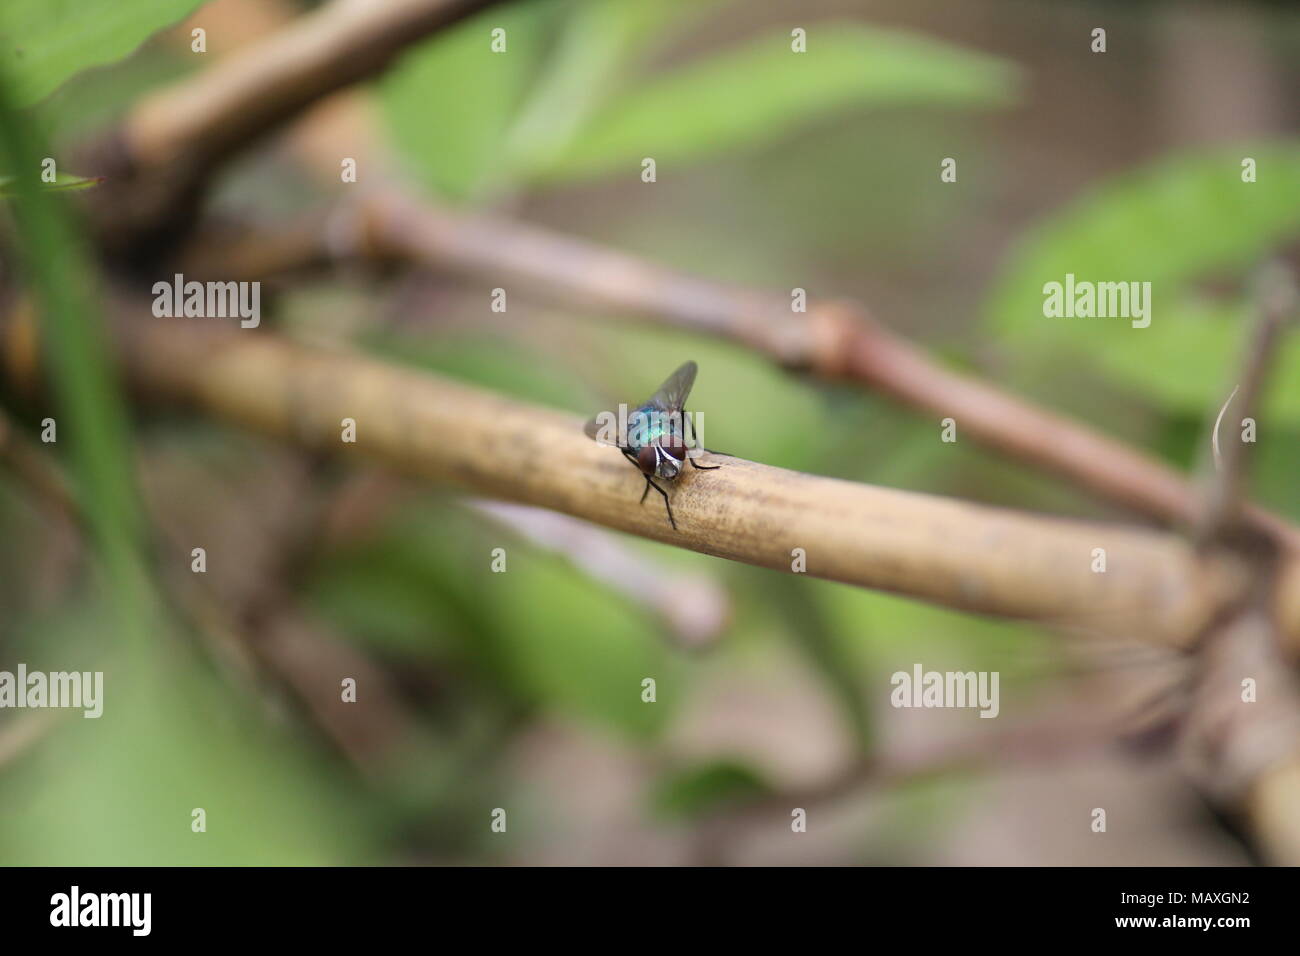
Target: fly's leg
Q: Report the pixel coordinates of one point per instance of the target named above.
(627, 453)
(650, 484)
(686, 418)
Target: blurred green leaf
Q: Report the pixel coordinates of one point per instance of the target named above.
(693, 792)
(1276, 465)
(59, 270)
(757, 93)
(94, 99)
(408, 590)
(62, 182)
(581, 648)
(797, 600)
(1198, 353)
(495, 363)
(120, 789)
(1171, 223)
(599, 41)
(541, 630)
(892, 633)
(451, 101)
(45, 42)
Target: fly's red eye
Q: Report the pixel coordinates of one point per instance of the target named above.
(646, 459)
(674, 446)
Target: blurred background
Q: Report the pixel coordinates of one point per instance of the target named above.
(522, 691)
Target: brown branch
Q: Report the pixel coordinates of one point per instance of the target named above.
(1060, 734)
(1244, 749)
(1222, 511)
(170, 144)
(834, 341)
(1246, 753)
(962, 555)
(34, 469)
(264, 633)
(1074, 725)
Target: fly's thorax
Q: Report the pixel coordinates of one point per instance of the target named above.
(647, 425)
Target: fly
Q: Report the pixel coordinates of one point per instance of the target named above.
(655, 436)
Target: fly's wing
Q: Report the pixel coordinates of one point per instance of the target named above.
(670, 397)
(673, 393)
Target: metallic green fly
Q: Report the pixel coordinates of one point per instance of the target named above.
(653, 436)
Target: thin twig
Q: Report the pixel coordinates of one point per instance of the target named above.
(692, 608)
(1225, 487)
(1066, 733)
(37, 473)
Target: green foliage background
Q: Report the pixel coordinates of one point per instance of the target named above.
(793, 148)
